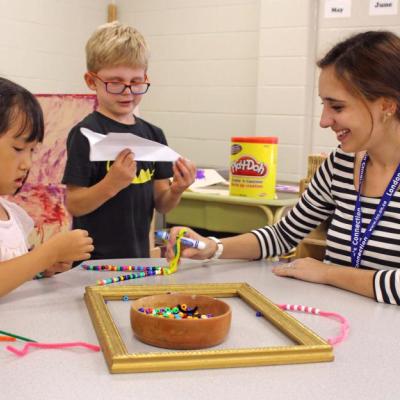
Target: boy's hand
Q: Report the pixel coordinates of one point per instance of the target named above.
(70, 246)
(184, 175)
(122, 171)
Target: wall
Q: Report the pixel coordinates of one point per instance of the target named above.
(221, 68)
(42, 42)
(332, 30)
(203, 70)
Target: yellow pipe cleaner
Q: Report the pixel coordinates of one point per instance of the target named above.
(173, 264)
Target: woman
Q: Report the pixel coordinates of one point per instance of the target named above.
(357, 185)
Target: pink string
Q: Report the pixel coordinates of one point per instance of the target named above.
(344, 323)
(25, 349)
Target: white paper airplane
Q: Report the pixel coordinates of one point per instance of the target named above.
(107, 147)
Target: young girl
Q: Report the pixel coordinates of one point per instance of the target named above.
(357, 185)
(21, 128)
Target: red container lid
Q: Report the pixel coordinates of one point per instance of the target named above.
(255, 139)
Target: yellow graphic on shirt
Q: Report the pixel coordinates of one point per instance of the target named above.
(144, 176)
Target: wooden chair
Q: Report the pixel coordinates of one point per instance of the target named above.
(155, 251)
(314, 245)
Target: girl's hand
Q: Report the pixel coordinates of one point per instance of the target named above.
(306, 269)
(57, 267)
(184, 175)
(70, 246)
(189, 252)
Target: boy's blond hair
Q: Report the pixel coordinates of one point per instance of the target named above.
(114, 44)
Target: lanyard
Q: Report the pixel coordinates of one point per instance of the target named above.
(358, 241)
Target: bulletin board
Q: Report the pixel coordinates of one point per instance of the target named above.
(42, 196)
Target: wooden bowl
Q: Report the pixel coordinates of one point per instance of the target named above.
(181, 333)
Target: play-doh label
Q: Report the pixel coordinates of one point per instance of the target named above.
(248, 166)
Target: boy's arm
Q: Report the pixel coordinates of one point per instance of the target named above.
(164, 198)
(168, 194)
(83, 200)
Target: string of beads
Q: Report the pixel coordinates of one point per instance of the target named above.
(110, 267)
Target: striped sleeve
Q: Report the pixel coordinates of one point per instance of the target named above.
(315, 206)
(387, 286)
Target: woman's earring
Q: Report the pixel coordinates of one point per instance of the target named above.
(387, 116)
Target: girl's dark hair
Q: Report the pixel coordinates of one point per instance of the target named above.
(368, 64)
(18, 104)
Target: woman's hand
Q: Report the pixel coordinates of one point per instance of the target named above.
(189, 252)
(307, 269)
(355, 280)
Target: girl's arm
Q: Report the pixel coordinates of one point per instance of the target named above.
(18, 270)
(62, 247)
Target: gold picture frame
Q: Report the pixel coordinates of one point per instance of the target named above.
(309, 346)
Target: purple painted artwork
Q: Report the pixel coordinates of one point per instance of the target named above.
(42, 196)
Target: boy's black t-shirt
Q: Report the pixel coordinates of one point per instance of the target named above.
(120, 227)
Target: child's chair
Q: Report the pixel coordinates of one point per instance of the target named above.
(155, 251)
(314, 244)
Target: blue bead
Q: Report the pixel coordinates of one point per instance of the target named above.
(125, 298)
(258, 314)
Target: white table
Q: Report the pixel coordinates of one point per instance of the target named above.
(53, 310)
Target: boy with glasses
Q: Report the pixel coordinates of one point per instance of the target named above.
(115, 201)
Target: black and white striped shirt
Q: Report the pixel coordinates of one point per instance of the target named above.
(332, 193)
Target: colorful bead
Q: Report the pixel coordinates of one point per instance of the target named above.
(174, 313)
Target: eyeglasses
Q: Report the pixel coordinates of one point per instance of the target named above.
(119, 87)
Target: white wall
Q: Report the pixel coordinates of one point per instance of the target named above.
(203, 70)
(286, 79)
(219, 68)
(42, 42)
(333, 30)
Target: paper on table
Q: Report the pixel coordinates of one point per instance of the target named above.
(107, 147)
(211, 190)
(208, 177)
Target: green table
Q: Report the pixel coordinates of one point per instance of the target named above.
(224, 213)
